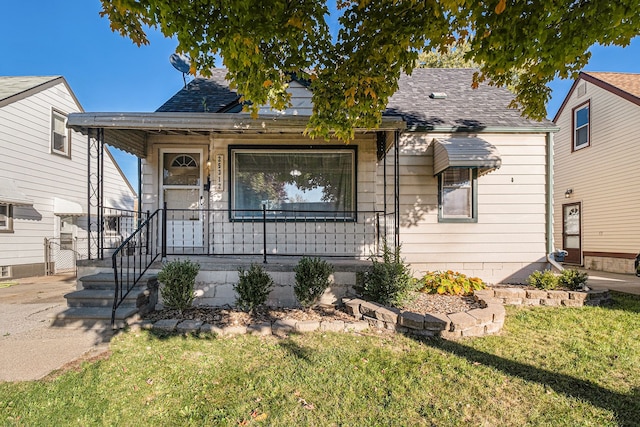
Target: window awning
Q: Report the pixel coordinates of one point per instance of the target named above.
(465, 153)
(62, 207)
(9, 193)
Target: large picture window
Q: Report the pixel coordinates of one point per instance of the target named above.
(293, 183)
(581, 126)
(458, 195)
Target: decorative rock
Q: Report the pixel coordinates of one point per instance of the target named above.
(189, 326)
(572, 303)
(352, 307)
(550, 302)
(368, 308)
(578, 296)
(499, 313)
(208, 328)
(234, 330)
(259, 328)
(530, 301)
(387, 314)
(510, 293)
(558, 295)
(282, 327)
(358, 326)
(513, 301)
(493, 300)
(483, 315)
(411, 320)
(307, 326)
(535, 294)
(493, 328)
(167, 325)
(332, 326)
(484, 293)
(436, 322)
(462, 321)
(475, 331)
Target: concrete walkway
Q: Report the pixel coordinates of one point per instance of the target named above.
(30, 348)
(627, 283)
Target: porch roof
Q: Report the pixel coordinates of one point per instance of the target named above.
(129, 131)
(465, 152)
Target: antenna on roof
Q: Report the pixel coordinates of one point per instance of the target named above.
(181, 63)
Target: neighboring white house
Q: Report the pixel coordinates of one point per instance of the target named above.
(44, 183)
(597, 172)
(453, 175)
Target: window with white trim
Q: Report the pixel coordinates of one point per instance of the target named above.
(302, 183)
(5, 271)
(60, 135)
(457, 195)
(582, 126)
(6, 217)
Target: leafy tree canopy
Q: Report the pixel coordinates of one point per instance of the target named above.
(353, 75)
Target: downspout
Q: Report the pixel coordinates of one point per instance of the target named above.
(549, 206)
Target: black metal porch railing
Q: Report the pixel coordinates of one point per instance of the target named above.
(134, 257)
(281, 232)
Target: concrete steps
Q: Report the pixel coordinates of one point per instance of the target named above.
(91, 306)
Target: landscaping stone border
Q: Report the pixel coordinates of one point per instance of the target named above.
(369, 315)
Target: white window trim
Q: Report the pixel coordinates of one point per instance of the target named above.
(575, 128)
(67, 151)
(473, 208)
(262, 149)
(9, 227)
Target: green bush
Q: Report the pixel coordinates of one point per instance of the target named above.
(253, 287)
(572, 279)
(450, 283)
(312, 279)
(543, 280)
(388, 282)
(178, 278)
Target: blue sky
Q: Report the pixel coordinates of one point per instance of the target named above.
(109, 73)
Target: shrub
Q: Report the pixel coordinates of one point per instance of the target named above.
(389, 281)
(450, 283)
(253, 287)
(178, 278)
(543, 280)
(573, 279)
(312, 279)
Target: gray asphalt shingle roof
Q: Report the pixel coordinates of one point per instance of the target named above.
(14, 85)
(463, 107)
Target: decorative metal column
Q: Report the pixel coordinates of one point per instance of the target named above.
(396, 189)
(95, 192)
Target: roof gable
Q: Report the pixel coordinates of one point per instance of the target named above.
(15, 88)
(624, 85)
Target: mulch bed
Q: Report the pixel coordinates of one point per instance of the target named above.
(228, 316)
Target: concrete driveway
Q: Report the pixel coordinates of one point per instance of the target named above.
(627, 283)
(30, 348)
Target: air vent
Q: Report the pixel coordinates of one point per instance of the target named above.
(582, 90)
(438, 95)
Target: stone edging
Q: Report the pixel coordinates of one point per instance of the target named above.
(534, 297)
(473, 323)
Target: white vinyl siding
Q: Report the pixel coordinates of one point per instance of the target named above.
(605, 177)
(507, 242)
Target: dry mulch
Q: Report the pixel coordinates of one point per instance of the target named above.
(228, 316)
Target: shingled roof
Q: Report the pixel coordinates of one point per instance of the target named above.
(463, 107)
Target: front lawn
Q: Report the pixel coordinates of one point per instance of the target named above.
(550, 366)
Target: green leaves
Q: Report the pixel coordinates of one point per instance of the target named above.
(523, 45)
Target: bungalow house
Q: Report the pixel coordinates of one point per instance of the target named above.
(452, 175)
(597, 196)
(44, 183)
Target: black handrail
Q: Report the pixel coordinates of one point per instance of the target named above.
(133, 258)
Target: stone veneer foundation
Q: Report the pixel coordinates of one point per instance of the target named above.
(369, 315)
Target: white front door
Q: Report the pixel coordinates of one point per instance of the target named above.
(182, 191)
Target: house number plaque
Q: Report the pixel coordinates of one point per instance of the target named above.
(219, 179)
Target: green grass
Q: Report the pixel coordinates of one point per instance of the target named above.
(549, 367)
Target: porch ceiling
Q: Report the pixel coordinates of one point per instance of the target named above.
(129, 131)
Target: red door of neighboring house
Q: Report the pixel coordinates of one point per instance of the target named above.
(571, 237)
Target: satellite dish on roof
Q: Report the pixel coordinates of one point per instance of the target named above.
(181, 63)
